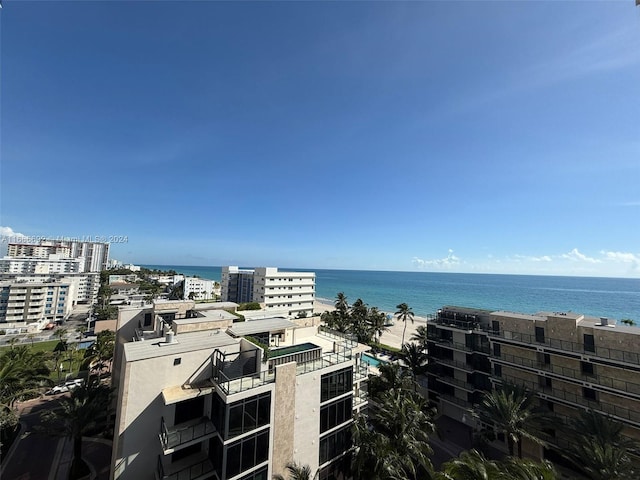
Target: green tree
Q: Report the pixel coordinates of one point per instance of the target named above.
(84, 410)
(510, 410)
(599, 448)
(415, 358)
(342, 306)
(472, 465)
(297, 471)
(403, 314)
(377, 322)
(394, 444)
(98, 357)
(392, 377)
(421, 336)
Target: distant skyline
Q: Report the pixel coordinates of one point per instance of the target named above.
(472, 137)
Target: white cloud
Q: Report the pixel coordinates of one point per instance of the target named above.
(623, 257)
(8, 232)
(576, 256)
(445, 262)
(529, 258)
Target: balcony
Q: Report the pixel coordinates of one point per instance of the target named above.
(623, 356)
(360, 398)
(563, 396)
(185, 434)
(445, 342)
(194, 467)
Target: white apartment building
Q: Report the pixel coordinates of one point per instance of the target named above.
(197, 399)
(86, 285)
(201, 288)
(31, 301)
(51, 264)
(290, 292)
(95, 254)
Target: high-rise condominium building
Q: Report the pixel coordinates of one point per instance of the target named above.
(570, 361)
(95, 254)
(289, 292)
(197, 398)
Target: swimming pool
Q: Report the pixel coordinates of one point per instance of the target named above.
(372, 361)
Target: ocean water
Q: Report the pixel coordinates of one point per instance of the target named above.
(424, 292)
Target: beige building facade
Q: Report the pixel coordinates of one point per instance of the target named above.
(199, 398)
(571, 362)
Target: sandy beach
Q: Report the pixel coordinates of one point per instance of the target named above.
(392, 337)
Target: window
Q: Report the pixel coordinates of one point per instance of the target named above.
(589, 343)
(495, 326)
(540, 334)
(247, 453)
(589, 394)
(335, 413)
(544, 359)
(496, 350)
(497, 370)
(586, 368)
(544, 382)
(147, 319)
(335, 444)
(249, 414)
(177, 361)
(336, 383)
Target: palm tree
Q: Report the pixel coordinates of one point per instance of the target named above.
(415, 358)
(101, 352)
(22, 372)
(421, 336)
(473, 465)
(392, 376)
(404, 313)
(395, 442)
(470, 465)
(78, 414)
(511, 411)
(599, 447)
(377, 321)
(342, 307)
(297, 471)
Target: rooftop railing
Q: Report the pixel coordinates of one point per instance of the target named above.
(347, 338)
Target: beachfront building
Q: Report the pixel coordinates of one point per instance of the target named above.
(28, 302)
(572, 362)
(292, 293)
(198, 396)
(86, 284)
(51, 264)
(198, 288)
(95, 255)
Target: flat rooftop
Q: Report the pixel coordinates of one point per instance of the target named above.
(182, 343)
(242, 329)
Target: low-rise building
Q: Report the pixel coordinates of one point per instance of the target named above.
(202, 396)
(198, 288)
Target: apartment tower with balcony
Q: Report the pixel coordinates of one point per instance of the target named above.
(202, 397)
(290, 293)
(571, 362)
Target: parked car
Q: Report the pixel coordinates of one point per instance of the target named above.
(66, 386)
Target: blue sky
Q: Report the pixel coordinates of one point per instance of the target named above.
(499, 137)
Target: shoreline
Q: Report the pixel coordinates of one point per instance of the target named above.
(393, 336)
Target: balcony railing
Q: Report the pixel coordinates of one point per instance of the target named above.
(454, 363)
(552, 393)
(560, 371)
(361, 372)
(360, 398)
(172, 438)
(350, 340)
(194, 467)
(458, 346)
(568, 346)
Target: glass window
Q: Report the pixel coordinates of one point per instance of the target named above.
(335, 444)
(586, 368)
(336, 383)
(335, 413)
(249, 414)
(589, 343)
(589, 394)
(496, 350)
(540, 334)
